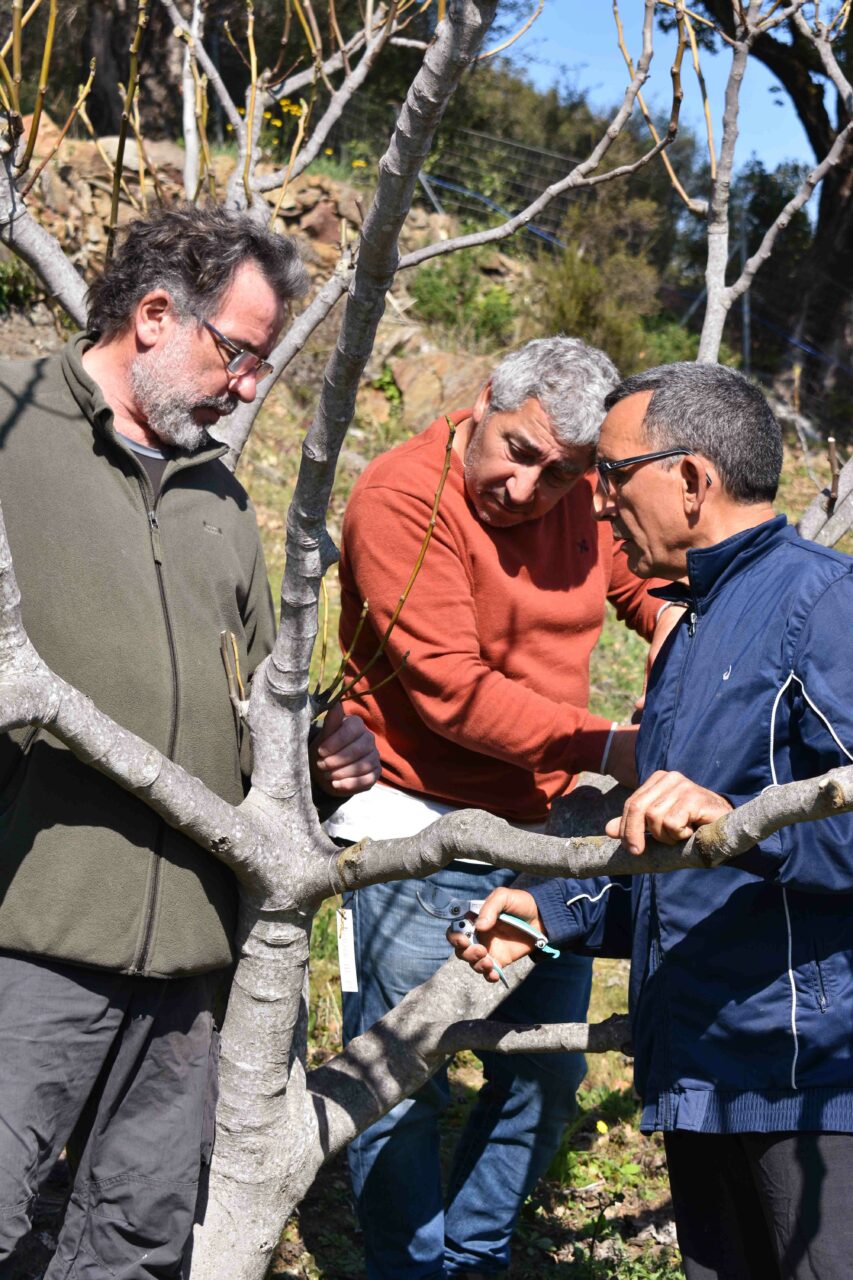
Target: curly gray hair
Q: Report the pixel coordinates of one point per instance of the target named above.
(568, 378)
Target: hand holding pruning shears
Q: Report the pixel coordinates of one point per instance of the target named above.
(492, 934)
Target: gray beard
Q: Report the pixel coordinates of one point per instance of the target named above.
(165, 393)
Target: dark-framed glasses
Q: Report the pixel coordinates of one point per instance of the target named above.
(242, 362)
(606, 469)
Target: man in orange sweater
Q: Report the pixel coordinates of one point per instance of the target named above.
(490, 710)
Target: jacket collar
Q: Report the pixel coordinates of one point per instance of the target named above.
(90, 399)
(709, 569)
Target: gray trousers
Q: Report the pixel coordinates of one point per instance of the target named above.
(128, 1062)
(762, 1206)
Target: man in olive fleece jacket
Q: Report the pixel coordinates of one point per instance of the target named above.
(134, 548)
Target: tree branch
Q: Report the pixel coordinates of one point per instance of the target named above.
(39, 249)
(554, 1037)
(822, 44)
(310, 551)
(337, 103)
(205, 62)
(780, 222)
(578, 177)
(468, 833)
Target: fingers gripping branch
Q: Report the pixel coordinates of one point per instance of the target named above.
(469, 833)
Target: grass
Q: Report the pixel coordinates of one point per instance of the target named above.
(602, 1212)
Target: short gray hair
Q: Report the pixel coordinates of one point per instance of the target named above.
(716, 411)
(569, 379)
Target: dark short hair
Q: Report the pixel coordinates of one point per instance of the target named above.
(716, 411)
(193, 254)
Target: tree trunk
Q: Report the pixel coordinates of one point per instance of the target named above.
(824, 318)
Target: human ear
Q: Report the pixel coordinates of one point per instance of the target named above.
(153, 314)
(695, 484)
(481, 404)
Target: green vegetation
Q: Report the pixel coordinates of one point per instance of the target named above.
(19, 288)
(455, 299)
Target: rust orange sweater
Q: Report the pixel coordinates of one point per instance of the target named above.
(491, 707)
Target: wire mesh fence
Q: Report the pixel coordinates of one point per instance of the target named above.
(481, 179)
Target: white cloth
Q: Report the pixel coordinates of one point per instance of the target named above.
(382, 813)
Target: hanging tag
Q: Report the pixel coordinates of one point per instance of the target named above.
(346, 950)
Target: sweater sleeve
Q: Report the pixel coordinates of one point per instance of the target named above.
(454, 692)
(630, 597)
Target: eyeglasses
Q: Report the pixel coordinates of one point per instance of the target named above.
(242, 362)
(605, 469)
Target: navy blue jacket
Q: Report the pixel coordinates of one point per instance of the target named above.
(741, 977)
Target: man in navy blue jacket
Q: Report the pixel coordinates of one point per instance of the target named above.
(741, 991)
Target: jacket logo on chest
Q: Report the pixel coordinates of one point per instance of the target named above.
(583, 545)
(212, 528)
(727, 672)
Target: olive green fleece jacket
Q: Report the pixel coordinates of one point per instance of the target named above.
(125, 598)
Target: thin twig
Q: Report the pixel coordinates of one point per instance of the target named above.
(697, 17)
(499, 48)
(801, 197)
(706, 104)
(578, 178)
(694, 206)
(17, 16)
(253, 95)
(7, 89)
(137, 133)
(132, 82)
(282, 42)
(201, 108)
(82, 95)
(207, 66)
(334, 110)
(297, 143)
(371, 662)
(226, 27)
(336, 33)
(90, 128)
(342, 665)
(42, 89)
(33, 9)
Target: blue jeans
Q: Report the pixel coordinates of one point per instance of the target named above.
(517, 1121)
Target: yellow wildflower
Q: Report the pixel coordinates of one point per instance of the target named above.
(601, 1127)
(359, 164)
(327, 151)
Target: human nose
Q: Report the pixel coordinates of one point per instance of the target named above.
(244, 385)
(522, 485)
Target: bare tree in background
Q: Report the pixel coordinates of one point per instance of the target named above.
(277, 1122)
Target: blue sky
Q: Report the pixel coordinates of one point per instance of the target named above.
(580, 36)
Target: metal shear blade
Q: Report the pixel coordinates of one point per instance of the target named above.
(444, 906)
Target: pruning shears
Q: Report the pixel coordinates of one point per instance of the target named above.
(458, 910)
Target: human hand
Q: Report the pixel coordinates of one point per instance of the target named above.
(668, 807)
(498, 941)
(343, 756)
